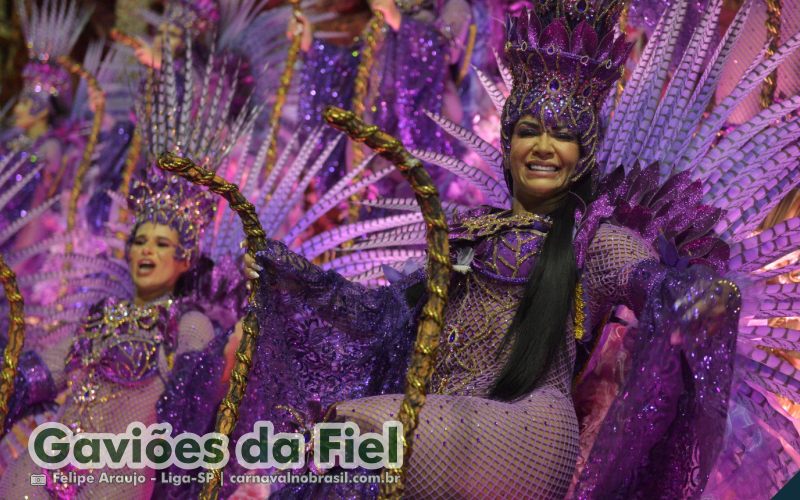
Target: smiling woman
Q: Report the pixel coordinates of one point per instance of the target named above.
(500, 419)
(541, 164)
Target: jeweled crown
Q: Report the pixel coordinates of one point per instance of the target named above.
(192, 122)
(169, 200)
(568, 47)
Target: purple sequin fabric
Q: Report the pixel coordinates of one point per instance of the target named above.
(408, 75)
(33, 385)
(664, 430)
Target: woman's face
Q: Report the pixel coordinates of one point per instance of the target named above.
(542, 160)
(153, 265)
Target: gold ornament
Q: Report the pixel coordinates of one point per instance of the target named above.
(228, 412)
(16, 337)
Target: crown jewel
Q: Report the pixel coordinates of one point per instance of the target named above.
(171, 201)
(578, 52)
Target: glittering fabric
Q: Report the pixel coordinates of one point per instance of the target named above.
(325, 68)
(323, 340)
(189, 404)
(664, 430)
(33, 385)
(114, 374)
(120, 343)
(645, 220)
(409, 75)
(506, 245)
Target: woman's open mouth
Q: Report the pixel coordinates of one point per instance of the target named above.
(145, 267)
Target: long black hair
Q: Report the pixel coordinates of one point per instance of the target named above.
(537, 330)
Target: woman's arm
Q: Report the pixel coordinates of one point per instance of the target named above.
(195, 331)
(677, 381)
(622, 269)
(353, 308)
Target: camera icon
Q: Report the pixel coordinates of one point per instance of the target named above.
(38, 479)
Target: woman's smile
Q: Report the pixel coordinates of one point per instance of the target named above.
(541, 162)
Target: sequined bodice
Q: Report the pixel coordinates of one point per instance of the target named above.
(114, 364)
(504, 245)
(495, 253)
(120, 342)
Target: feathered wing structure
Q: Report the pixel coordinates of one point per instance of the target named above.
(743, 174)
(113, 73)
(54, 27)
(24, 168)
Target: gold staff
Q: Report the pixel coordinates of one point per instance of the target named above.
(91, 143)
(16, 337)
(120, 36)
(623, 26)
(283, 89)
(373, 34)
(773, 25)
(228, 411)
(431, 321)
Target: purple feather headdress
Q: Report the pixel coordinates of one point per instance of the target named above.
(173, 202)
(192, 120)
(564, 55)
(50, 31)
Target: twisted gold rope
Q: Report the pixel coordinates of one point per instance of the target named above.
(91, 143)
(623, 26)
(123, 38)
(134, 150)
(773, 25)
(228, 412)
(373, 35)
(431, 320)
(16, 337)
(280, 96)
